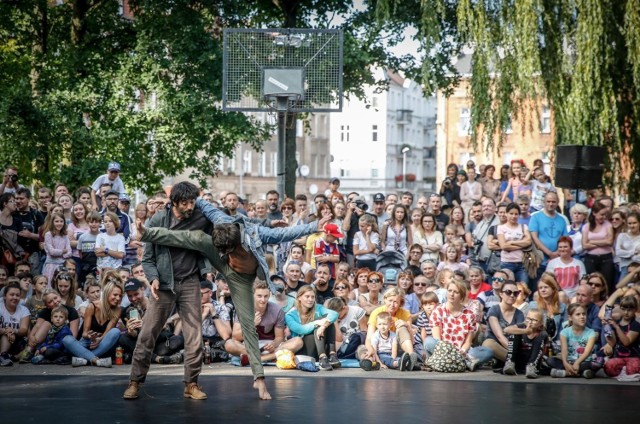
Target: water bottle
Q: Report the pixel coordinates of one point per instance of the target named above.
(119, 355)
(207, 352)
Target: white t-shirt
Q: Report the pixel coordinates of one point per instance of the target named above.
(116, 184)
(382, 345)
(361, 242)
(350, 324)
(116, 243)
(538, 191)
(9, 320)
(567, 275)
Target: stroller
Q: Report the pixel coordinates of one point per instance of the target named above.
(389, 264)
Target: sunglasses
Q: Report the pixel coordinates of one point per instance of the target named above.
(498, 279)
(595, 284)
(374, 281)
(64, 277)
(420, 284)
(341, 287)
(514, 293)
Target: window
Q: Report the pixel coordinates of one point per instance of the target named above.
(374, 173)
(273, 163)
(263, 164)
(344, 133)
(374, 133)
(545, 120)
(246, 162)
(374, 101)
(464, 126)
(299, 128)
(322, 162)
(231, 165)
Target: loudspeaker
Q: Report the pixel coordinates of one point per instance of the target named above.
(579, 166)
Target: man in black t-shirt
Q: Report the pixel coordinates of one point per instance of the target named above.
(31, 221)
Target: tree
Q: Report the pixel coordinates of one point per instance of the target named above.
(85, 84)
(584, 57)
(366, 44)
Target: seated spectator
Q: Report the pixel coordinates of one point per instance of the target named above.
(361, 279)
(99, 334)
(270, 326)
(93, 290)
(323, 283)
(455, 323)
(628, 244)
(622, 344)
(314, 323)
(411, 301)
(383, 347)
(65, 283)
(373, 299)
(499, 317)
(36, 302)
(400, 324)
(525, 345)
(452, 260)
(52, 350)
(553, 310)
(39, 332)
(492, 297)
(476, 282)
(14, 324)
(428, 302)
(294, 282)
(342, 289)
(351, 327)
(566, 268)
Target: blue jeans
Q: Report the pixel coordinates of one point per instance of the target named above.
(386, 359)
(518, 270)
(480, 353)
(81, 348)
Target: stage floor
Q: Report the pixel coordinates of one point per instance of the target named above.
(312, 398)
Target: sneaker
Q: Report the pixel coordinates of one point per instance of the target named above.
(5, 361)
(375, 366)
(555, 373)
(334, 361)
(531, 371)
(366, 364)
(104, 362)
(413, 361)
(78, 362)
(473, 364)
(588, 374)
(25, 356)
(193, 391)
(38, 359)
(132, 390)
(509, 368)
(405, 361)
(324, 364)
(244, 359)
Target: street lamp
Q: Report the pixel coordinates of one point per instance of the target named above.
(405, 149)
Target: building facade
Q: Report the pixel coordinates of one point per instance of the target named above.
(385, 143)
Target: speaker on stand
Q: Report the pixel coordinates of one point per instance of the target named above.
(579, 167)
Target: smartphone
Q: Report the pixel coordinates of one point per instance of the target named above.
(133, 314)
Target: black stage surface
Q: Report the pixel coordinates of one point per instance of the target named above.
(313, 399)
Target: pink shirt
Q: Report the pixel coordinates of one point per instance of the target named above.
(601, 234)
(511, 234)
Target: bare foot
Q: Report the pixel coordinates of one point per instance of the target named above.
(261, 386)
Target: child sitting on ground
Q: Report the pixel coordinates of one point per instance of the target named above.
(384, 347)
(429, 301)
(52, 350)
(525, 347)
(577, 343)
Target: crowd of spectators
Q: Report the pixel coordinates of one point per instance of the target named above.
(495, 267)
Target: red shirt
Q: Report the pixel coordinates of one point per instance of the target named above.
(483, 288)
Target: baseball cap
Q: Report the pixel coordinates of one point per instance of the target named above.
(132, 284)
(113, 166)
(378, 197)
(206, 284)
(124, 198)
(333, 230)
(334, 180)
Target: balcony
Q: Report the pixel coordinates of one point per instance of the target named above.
(404, 116)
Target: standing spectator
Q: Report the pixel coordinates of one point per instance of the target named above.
(326, 249)
(261, 209)
(597, 241)
(10, 181)
(231, 204)
(350, 226)
(44, 200)
(490, 186)
(57, 245)
(391, 199)
(110, 246)
(546, 227)
(449, 189)
(525, 204)
(578, 214)
(511, 191)
(334, 185)
(513, 237)
(435, 204)
(407, 199)
(31, 220)
(628, 244)
(112, 177)
(378, 209)
(76, 228)
(470, 191)
(83, 194)
(366, 243)
(86, 246)
(396, 234)
(480, 251)
(273, 212)
(111, 199)
(505, 174)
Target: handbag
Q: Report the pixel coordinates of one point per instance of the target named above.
(446, 358)
(493, 263)
(532, 257)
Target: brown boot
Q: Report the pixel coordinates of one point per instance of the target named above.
(132, 390)
(193, 391)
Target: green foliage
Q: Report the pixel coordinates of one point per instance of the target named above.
(581, 56)
(84, 85)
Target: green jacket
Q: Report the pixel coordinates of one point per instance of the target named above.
(156, 261)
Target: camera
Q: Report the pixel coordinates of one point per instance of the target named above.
(446, 183)
(14, 178)
(477, 245)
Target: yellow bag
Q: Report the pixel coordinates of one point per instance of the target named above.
(285, 359)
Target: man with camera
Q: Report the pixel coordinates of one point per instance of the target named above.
(480, 251)
(10, 181)
(31, 220)
(449, 189)
(355, 210)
